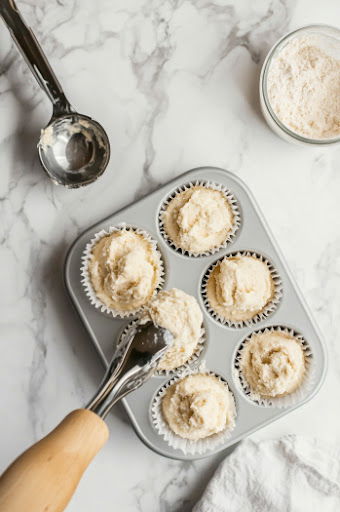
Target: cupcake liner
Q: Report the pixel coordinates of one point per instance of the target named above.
(85, 275)
(188, 446)
(167, 373)
(268, 310)
(232, 201)
(284, 401)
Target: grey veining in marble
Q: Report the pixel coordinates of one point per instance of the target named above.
(175, 84)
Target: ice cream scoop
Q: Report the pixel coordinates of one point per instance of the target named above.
(46, 475)
(74, 149)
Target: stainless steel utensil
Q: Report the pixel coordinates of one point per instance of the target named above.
(74, 149)
(131, 366)
(47, 474)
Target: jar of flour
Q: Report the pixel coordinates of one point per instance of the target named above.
(300, 86)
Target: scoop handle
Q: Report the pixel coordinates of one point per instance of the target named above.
(34, 55)
(44, 477)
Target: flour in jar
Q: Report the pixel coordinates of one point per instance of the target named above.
(303, 86)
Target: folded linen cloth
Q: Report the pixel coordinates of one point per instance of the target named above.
(292, 474)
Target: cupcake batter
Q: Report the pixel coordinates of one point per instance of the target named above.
(124, 270)
(239, 288)
(181, 315)
(273, 364)
(198, 406)
(198, 219)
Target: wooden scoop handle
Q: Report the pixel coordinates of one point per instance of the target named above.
(44, 477)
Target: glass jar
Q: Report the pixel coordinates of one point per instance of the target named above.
(332, 34)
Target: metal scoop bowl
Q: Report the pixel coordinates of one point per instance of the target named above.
(74, 150)
(45, 477)
(131, 366)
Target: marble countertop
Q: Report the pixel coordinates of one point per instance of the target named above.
(175, 84)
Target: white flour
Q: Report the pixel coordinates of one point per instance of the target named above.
(304, 86)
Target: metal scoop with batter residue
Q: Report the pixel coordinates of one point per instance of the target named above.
(74, 149)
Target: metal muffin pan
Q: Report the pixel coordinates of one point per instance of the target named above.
(186, 273)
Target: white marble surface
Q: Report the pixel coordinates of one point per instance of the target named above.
(175, 85)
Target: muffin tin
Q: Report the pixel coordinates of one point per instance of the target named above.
(187, 273)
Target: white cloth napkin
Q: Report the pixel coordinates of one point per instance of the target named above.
(292, 474)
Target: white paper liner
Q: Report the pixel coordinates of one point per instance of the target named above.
(232, 201)
(188, 446)
(284, 401)
(84, 270)
(268, 310)
(168, 373)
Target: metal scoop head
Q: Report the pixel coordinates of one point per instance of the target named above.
(73, 149)
(131, 366)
